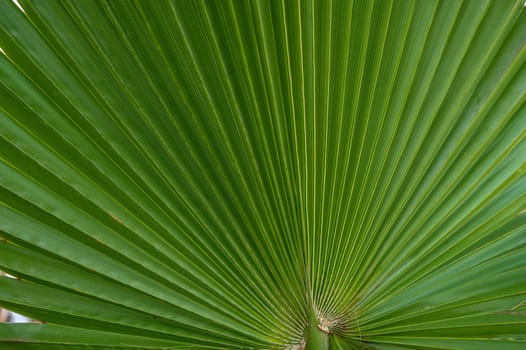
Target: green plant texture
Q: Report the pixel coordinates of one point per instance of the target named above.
(263, 174)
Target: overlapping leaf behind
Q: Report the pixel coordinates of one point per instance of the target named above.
(207, 174)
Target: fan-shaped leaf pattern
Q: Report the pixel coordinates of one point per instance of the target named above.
(263, 174)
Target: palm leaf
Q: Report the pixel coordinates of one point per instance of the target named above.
(263, 174)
